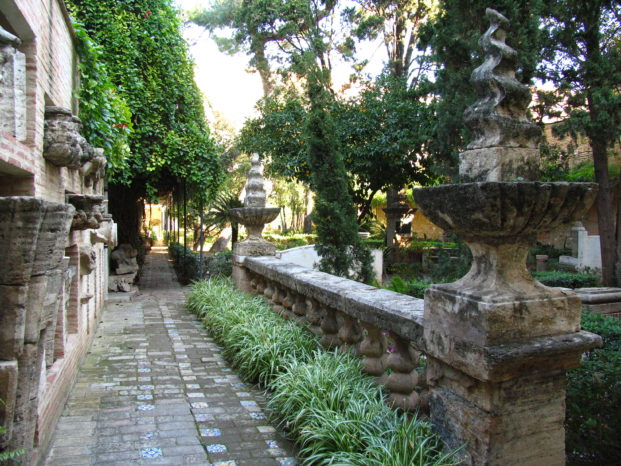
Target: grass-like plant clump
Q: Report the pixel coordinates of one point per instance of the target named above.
(335, 413)
(566, 279)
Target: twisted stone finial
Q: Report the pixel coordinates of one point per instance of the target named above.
(255, 190)
(499, 117)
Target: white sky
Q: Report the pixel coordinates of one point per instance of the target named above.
(224, 80)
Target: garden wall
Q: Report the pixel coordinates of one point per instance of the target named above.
(54, 233)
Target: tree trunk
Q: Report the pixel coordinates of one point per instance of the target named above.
(605, 217)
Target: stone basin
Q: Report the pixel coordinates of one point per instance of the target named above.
(255, 215)
(504, 210)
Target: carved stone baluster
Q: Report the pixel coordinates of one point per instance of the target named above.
(404, 378)
(313, 315)
(373, 350)
(329, 328)
(299, 309)
(287, 304)
(260, 284)
(349, 331)
(277, 298)
(268, 290)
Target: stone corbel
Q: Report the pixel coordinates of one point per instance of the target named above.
(94, 168)
(88, 259)
(63, 145)
(88, 211)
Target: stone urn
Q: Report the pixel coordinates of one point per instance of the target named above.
(254, 215)
(497, 340)
(63, 145)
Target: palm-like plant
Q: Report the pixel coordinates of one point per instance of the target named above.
(219, 214)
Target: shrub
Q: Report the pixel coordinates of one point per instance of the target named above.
(219, 265)
(593, 424)
(414, 288)
(336, 414)
(290, 241)
(566, 279)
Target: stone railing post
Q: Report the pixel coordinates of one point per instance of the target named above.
(498, 342)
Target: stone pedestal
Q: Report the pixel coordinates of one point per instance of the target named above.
(244, 249)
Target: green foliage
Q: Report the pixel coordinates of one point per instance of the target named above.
(452, 38)
(219, 265)
(8, 455)
(382, 134)
(105, 114)
(593, 424)
(549, 250)
(290, 241)
(147, 60)
(414, 287)
(566, 279)
(582, 172)
(185, 263)
(336, 414)
(338, 244)
(452, 264)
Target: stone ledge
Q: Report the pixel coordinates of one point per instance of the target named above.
(388, 310)
(511, 360)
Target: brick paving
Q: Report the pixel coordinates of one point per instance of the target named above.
(155, 389)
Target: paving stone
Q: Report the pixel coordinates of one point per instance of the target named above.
(155, 389)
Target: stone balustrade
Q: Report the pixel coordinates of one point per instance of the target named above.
(384, 327)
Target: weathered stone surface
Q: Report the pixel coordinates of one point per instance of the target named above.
(89, 211)
(390, 311)
(35, 308)
(63, 144)
(8, 387)
(123, 260)
(12, 86)
(499, 117)
(499, 421)
(20, 222)
(88, 259)
(121, 283)
(505, 211)
(50, 243)
(254, 248)
(13, 301)
(498, 164)
(93, 170)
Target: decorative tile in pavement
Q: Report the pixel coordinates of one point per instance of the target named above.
(151, 453)
(287, 461)
(266, 429)
(216, 448)
(272, 443)
(174, 366)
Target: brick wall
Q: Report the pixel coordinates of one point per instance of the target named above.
(45, 69)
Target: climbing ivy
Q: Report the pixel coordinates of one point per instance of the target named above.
(105, 114)
(147, 62)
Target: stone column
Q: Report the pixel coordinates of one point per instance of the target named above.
(499, 342)
(254, 216)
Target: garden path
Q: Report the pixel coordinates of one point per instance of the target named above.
(155, 389)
